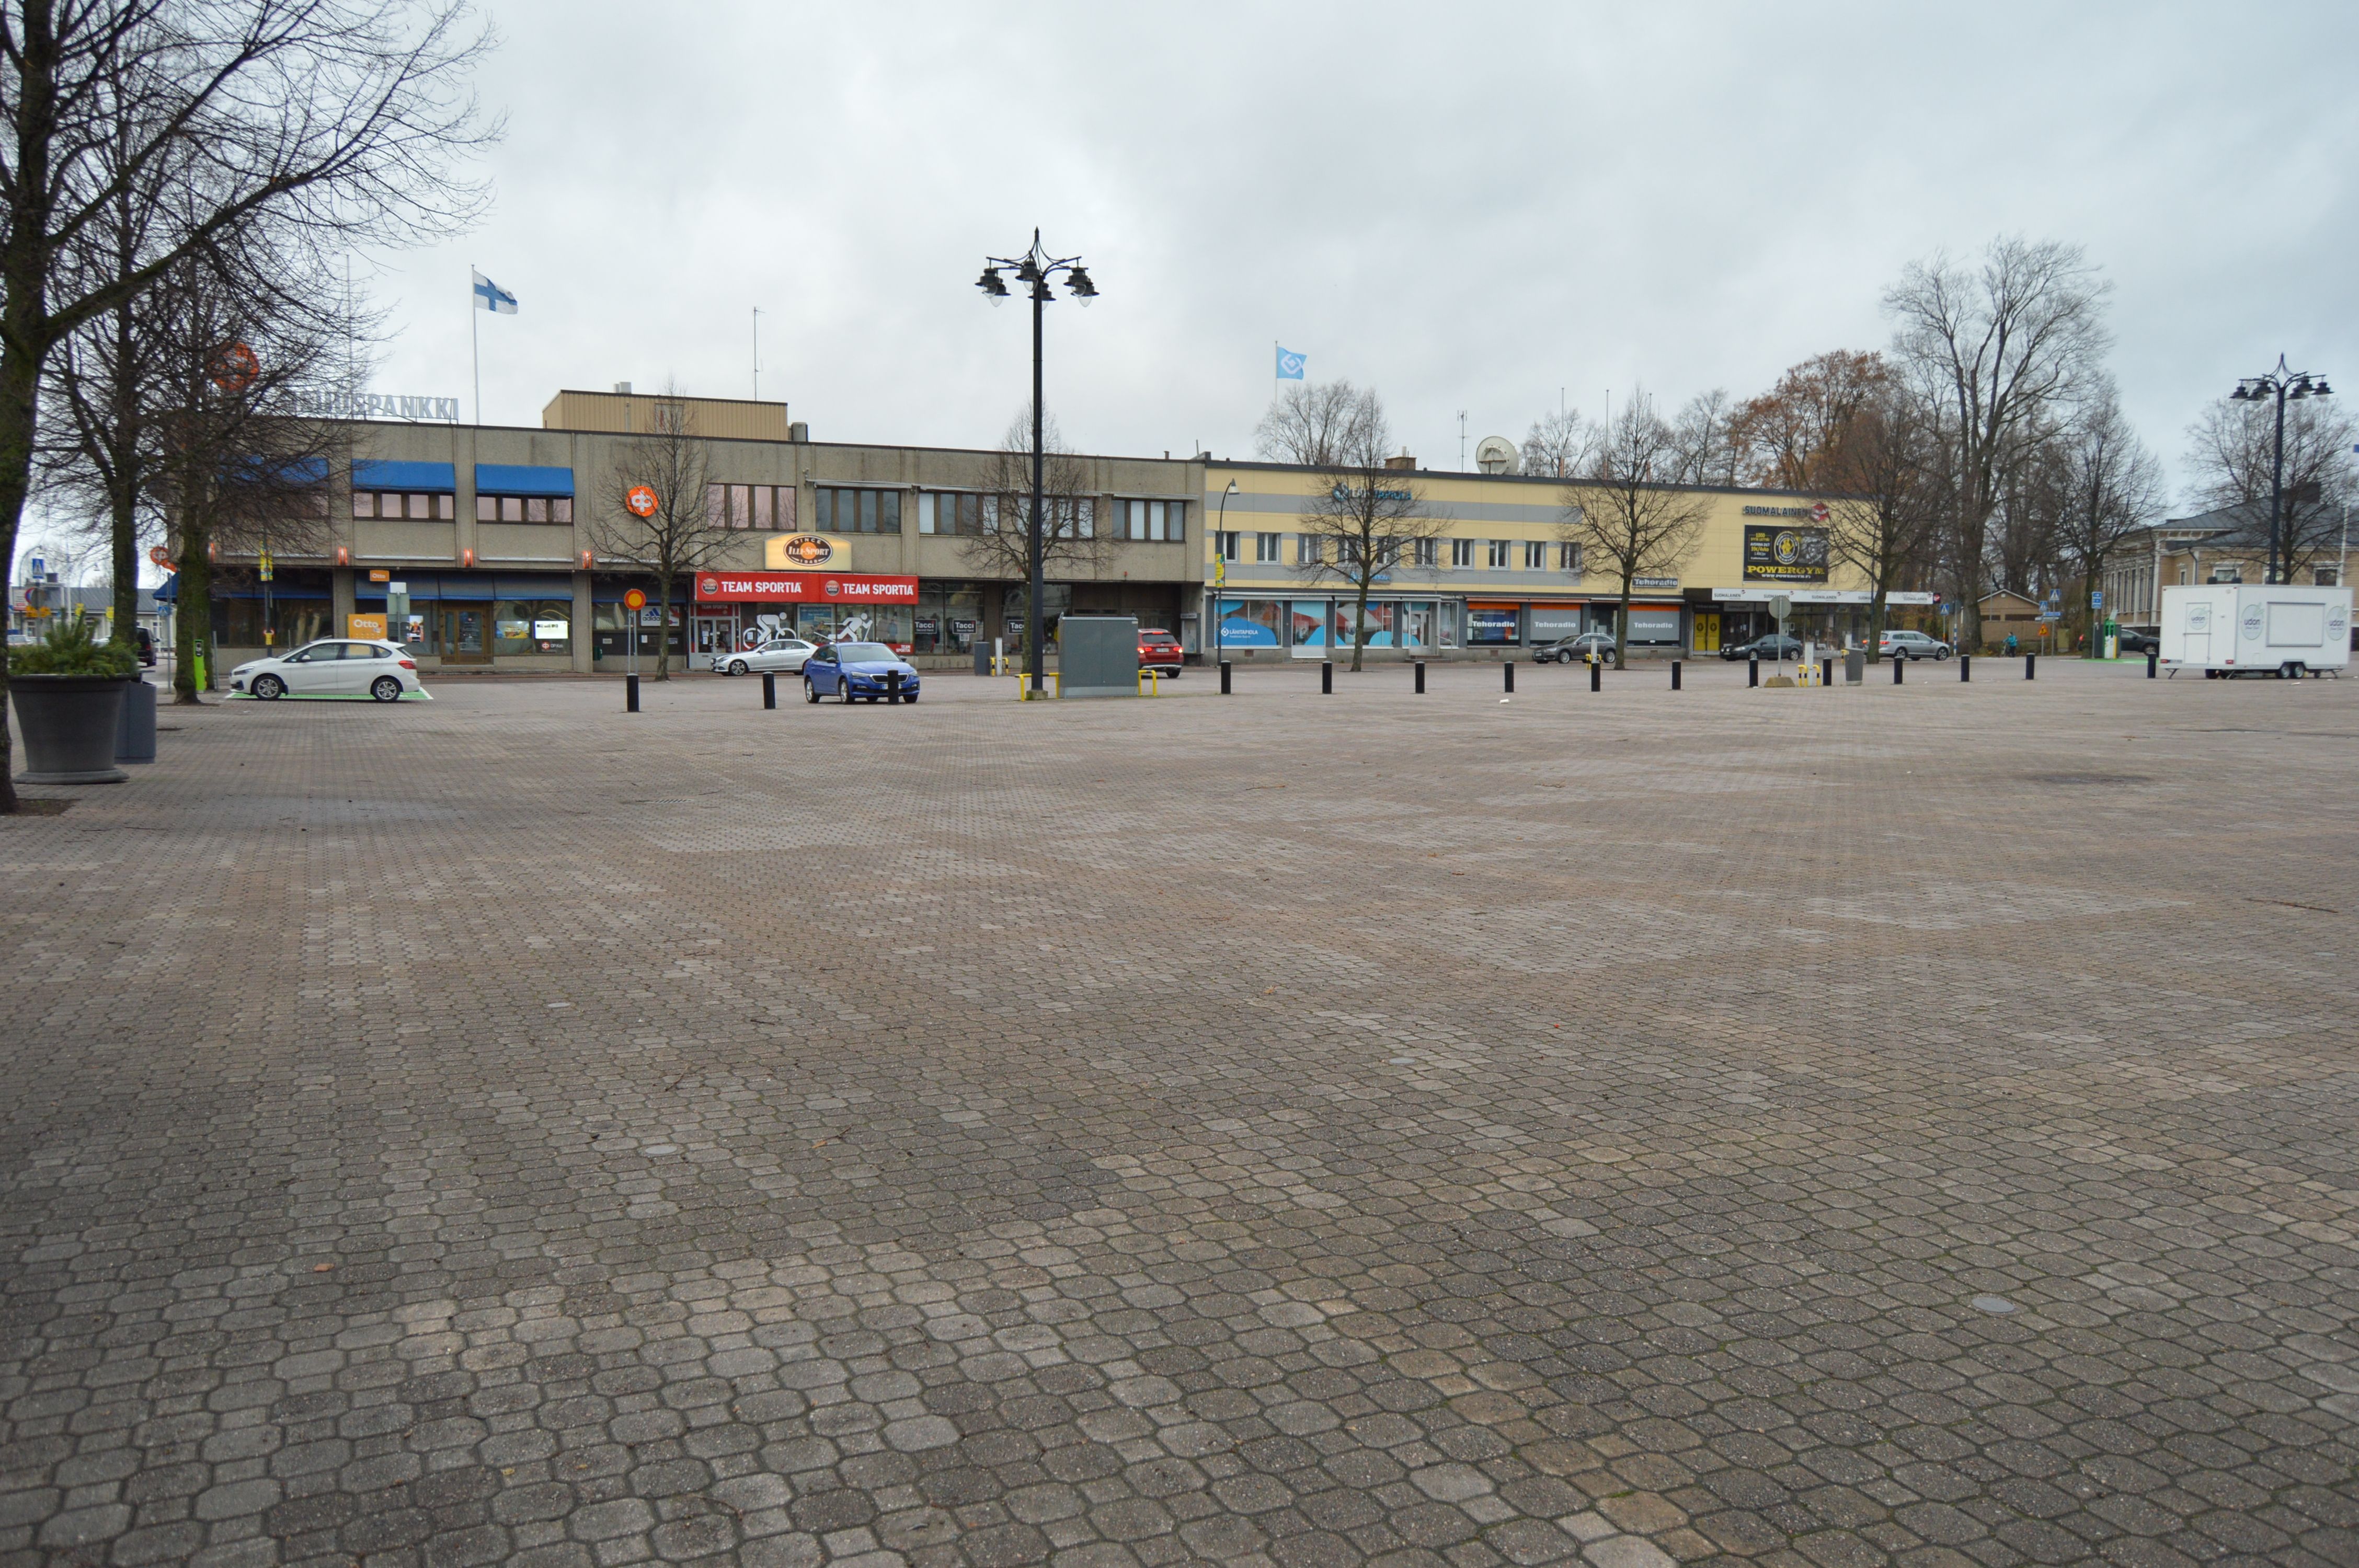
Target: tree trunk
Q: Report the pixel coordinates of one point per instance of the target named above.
(192, 619)
(1622, 628)
(1878, 617)
(1360, 615)
(19, 378)
(663, 620)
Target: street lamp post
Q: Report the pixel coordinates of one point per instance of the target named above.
(2279, 385)
(1221, 575)
(1034, 268)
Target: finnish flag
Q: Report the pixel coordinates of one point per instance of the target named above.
(490, 296)
(1289, 365)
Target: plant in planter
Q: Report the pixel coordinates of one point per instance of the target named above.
(68, 693)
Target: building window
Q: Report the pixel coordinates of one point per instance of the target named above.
(1568, 559)
(1225, 544)
(950, 511)
(2227, 574)
(1535, 556)
(1310, 549)
(1266, 548)
(398, 503)
(1154, 522)
(522, 508)
(843, 510)
(2326, 577)
(1501, 553)
(1461, 552)
(764, 506)
(1424, 552)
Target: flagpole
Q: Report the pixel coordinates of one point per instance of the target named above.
(475, 341)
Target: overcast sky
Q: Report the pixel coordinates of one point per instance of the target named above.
(1465, 207)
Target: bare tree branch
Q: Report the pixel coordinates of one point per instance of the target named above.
(1627, 513)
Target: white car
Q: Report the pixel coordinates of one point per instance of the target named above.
(335, 667)
(1912, 646)
(786, 654)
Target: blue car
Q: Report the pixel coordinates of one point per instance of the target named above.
(848, 670)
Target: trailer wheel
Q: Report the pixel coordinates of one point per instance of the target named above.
(2290, 670)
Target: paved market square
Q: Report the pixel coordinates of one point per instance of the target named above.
(1882, 1125)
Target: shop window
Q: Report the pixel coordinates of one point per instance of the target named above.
(1310, 549)
(1155, 521)
(238, 622)
(1535, 556)
(532, 626)
(951, 512)
(524, 509)
(768, 508)
(1461, 552)
(845, 511)
(408, 504)
(1266, 549)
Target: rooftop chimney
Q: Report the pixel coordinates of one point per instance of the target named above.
(1402, 461)
(623, 387)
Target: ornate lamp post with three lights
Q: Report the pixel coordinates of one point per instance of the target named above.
(1034, 268)
(2281, 385)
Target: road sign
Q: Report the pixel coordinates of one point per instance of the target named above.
(1780, 606)
(2097, 599)
(265, 566)
(635, 600)
(160, 557)
(641, 500)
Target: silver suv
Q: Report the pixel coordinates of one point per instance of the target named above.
(1913, 646)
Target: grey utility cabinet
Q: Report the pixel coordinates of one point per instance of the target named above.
(1097, 655)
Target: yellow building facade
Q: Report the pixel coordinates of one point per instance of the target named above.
(1504, 572)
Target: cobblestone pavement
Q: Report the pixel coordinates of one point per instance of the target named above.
(1272, 1130)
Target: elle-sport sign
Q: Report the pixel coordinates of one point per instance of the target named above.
(806, 553)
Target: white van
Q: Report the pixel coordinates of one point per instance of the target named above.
(2236, 629)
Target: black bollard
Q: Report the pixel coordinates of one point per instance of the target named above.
(1966, 668)
(630, 693)
(2152, 656)
(1753, 671)
(1326, 678)
(1826, 672)
(1675, 675)
(1510, 668)
(770, 691)
(1420, 677)
(2032, 667)
(1224, 677)
(892, 688)
(1596, 674)
(1899, 668)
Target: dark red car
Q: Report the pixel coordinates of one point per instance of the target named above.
(1159, 652)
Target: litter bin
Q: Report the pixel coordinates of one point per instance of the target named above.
(1855, 665)
(981, 658)
(134, 730)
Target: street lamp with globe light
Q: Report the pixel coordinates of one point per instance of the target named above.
(1034, 268)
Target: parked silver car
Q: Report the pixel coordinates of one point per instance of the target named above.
(780, 653)
(1912, 645)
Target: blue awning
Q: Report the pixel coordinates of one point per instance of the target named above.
(280, 470)
(170, 592)
(371, 473)
(522, 479)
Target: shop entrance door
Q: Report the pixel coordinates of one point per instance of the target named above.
(466, 633)
(1707, 632)
(713, 635)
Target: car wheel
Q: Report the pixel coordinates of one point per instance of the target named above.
(843, 691)
(736, 666)
(386, 689)
(909, 700)
(270, 688)
(1941, 653)
(810, 692)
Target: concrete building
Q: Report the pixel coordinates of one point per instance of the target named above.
(510, 548)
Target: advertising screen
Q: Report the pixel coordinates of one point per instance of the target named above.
(1773, 554)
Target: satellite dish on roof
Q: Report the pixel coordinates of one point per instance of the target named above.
(1496, 454)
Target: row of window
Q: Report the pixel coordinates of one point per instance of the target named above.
(837, 509)
(964, 512)
(765, 506)
(1498, 555)
(440, 507)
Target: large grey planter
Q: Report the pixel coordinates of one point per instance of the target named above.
(69, 724)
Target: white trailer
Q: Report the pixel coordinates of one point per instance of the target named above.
(2238, 628)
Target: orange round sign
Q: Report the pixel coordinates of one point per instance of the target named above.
(635, 600)
(236, 367)
(641, 500)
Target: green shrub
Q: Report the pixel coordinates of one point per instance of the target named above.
(71, 649)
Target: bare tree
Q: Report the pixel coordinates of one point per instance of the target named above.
(2231, 458)
(1320, 424)
(678, 535)
(2114, 488)
(1706, 435)
(1364, 517)
(2005, 346)
(1557, 446)
(1073, 545)
(1885, 498)
(338, 117)
(1627, 514)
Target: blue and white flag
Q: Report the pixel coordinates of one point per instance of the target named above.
(490, 296)
(1289, 365)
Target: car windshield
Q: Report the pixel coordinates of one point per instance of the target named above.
(862, 652)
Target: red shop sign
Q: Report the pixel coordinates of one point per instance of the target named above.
(804, 588)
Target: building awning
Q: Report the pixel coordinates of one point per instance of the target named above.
(170, 592)
(280, 470)
(522, 479)
(371, 473)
